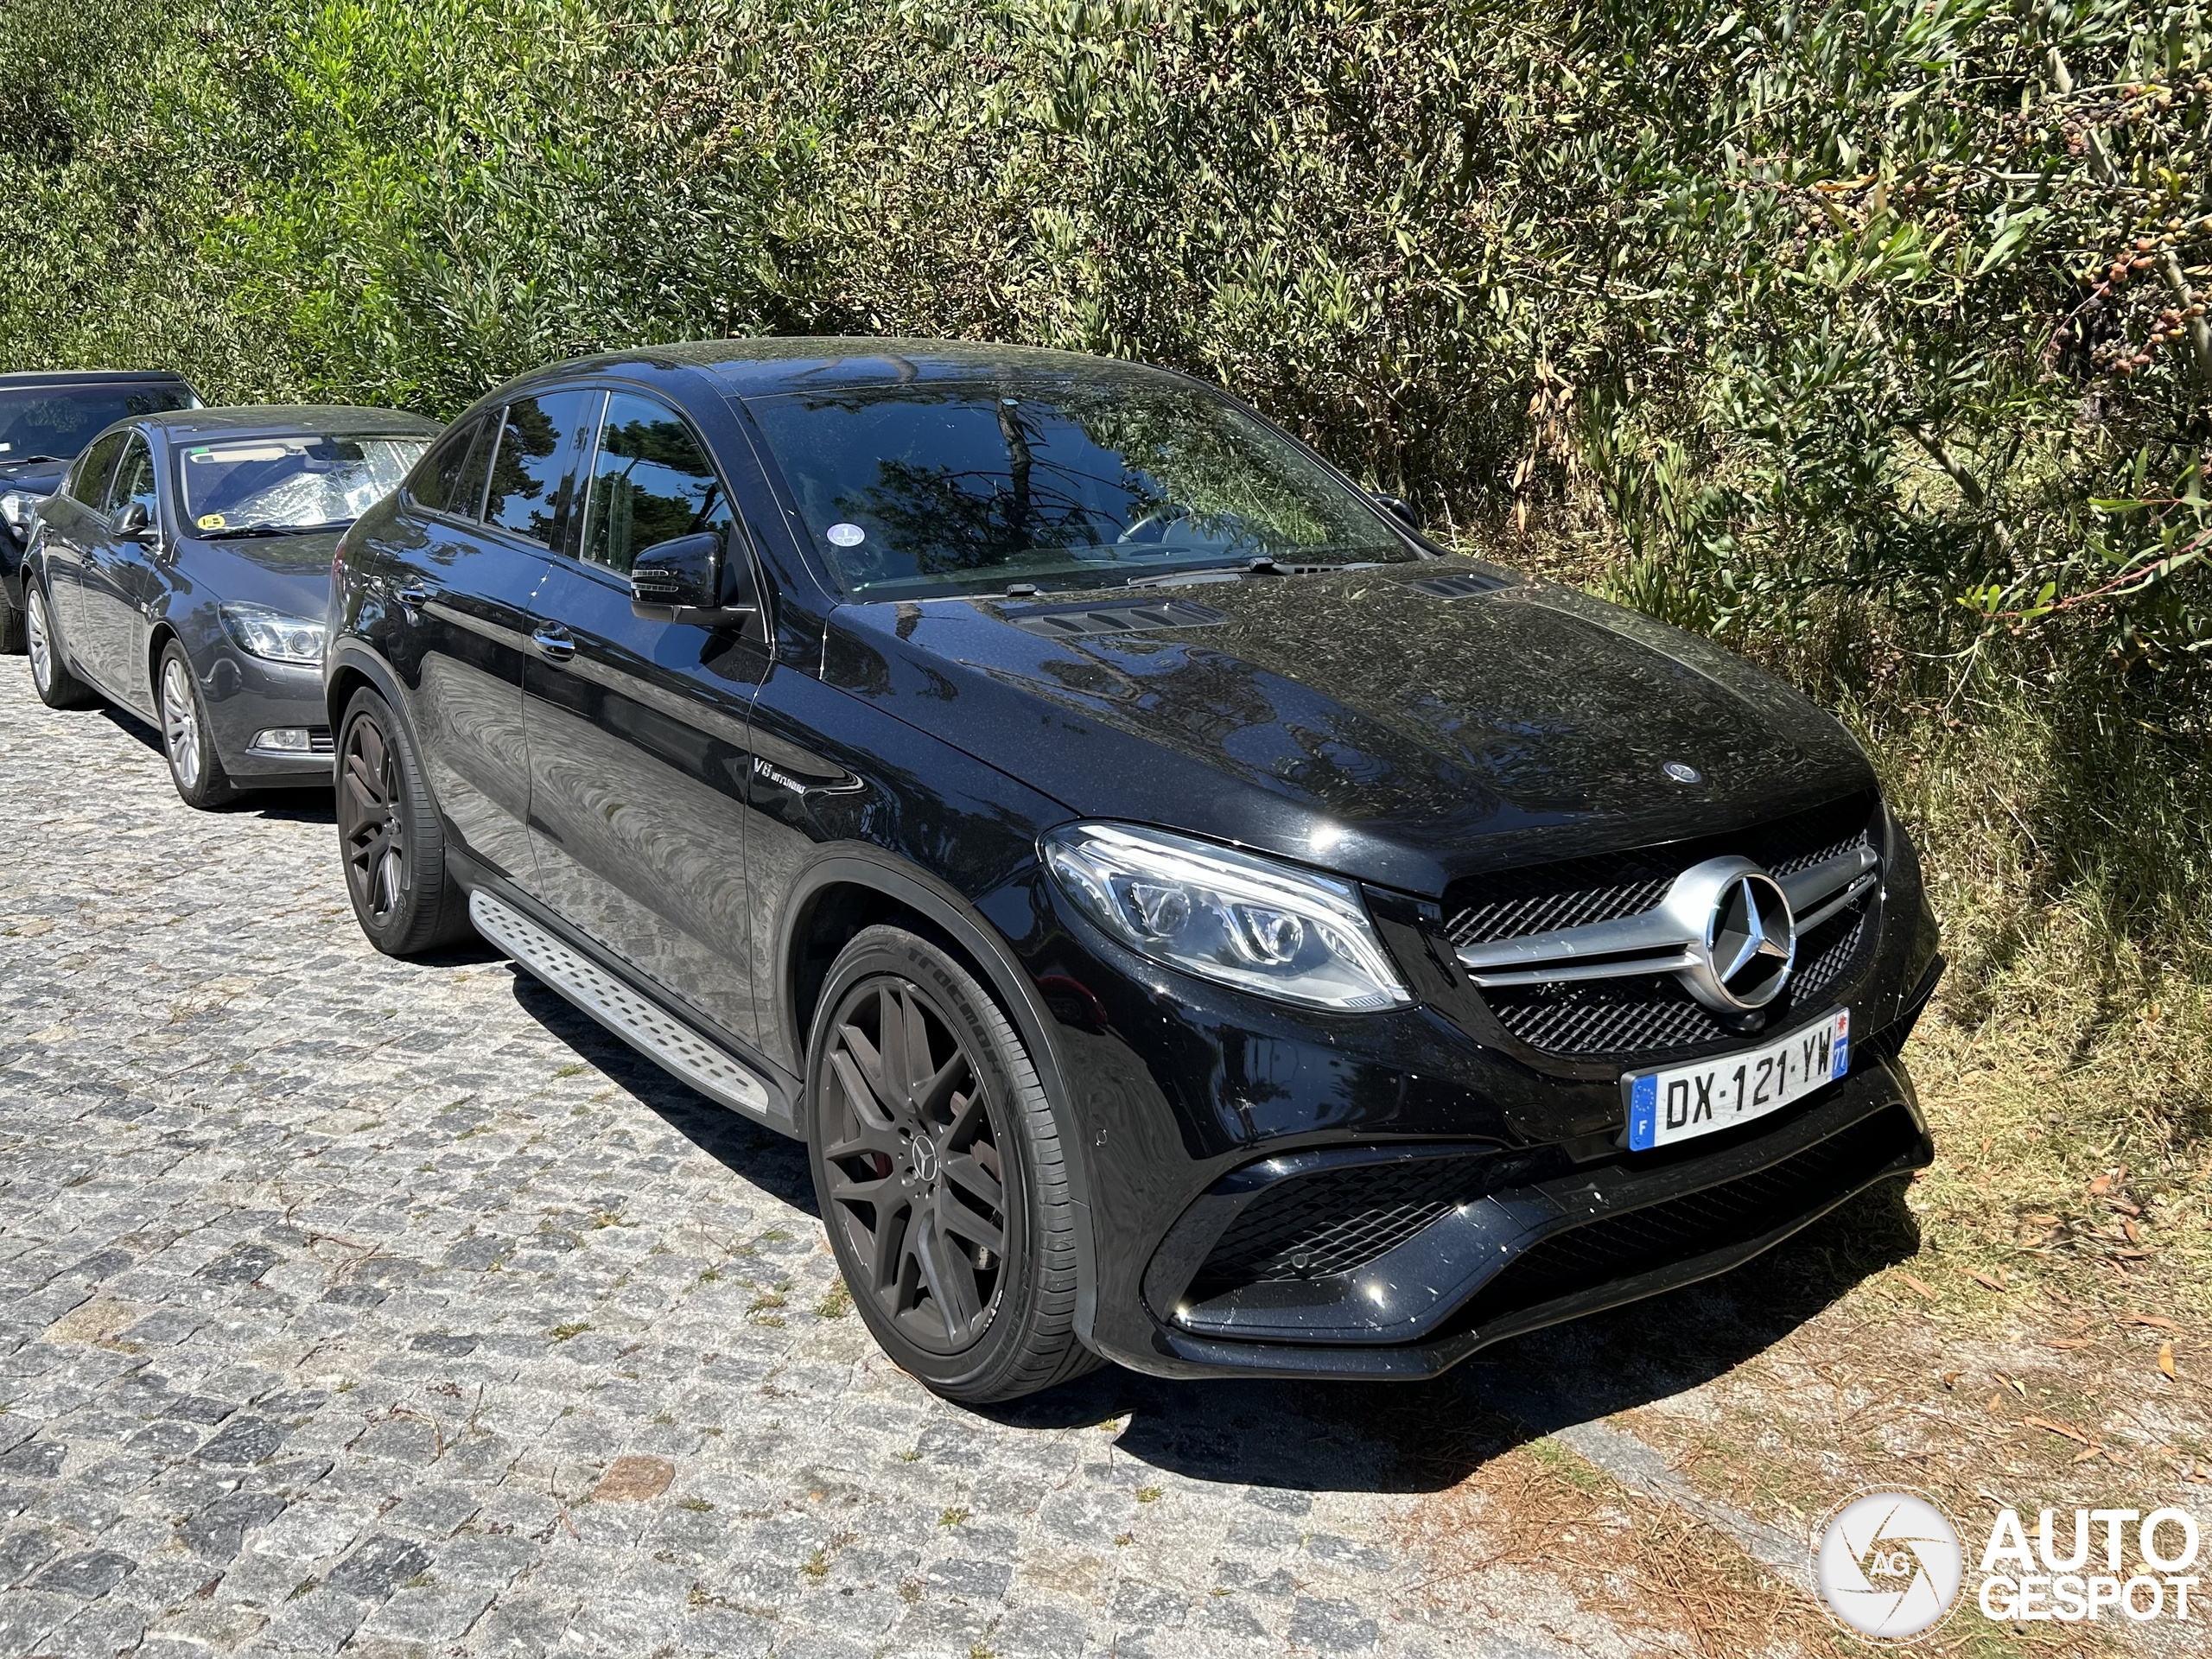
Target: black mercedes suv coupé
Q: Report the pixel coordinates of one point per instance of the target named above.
(1192, 920)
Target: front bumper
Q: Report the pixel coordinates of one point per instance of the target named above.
(1522, 1256)
(245, 697)
(1188, 1102)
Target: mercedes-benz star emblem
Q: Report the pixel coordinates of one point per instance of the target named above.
(1751, 942)
(1739, 938)
(1682, 772)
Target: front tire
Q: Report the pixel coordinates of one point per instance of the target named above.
(56, 686)
(940, 1174)
(187, 738)
(394, 848)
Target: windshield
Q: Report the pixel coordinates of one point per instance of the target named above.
(1055, 480)
(56, 422)
(311, 481)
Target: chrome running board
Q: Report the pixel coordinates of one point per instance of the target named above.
(638, 1022)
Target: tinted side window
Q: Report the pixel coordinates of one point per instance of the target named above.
(651, 482)
(88, 484)
(530, 471)
(134, 480)
(451, 477)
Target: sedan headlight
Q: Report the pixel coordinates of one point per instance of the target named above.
(1246, 921)
(16, 507)
(261, 631)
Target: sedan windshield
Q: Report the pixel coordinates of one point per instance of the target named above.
(309, 481)
(1055, 480)
(54, 422)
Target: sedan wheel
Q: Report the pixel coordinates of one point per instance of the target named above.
(187, 738)
(56, 686)
(181, 722)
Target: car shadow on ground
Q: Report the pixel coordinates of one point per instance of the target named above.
(1378, 1437)
(309, 804)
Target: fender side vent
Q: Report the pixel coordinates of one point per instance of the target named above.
(1077, 622)
(1455, 587)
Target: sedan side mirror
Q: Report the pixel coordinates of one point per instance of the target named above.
(684, 579)
(1399, 508)
(136, 523)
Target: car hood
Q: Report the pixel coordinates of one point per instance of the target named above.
(288, 572)
(1357, 721)
(38, 477)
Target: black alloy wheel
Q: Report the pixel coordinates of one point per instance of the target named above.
(56, 686)
(915, 1171)
(404, 896)
(939, 1172)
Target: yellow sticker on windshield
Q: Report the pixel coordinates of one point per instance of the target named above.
(210, 521)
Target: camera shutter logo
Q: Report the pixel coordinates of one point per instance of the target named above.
(1889, 1564)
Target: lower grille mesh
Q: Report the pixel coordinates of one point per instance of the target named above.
(1335, 1220)
(1735, 1212)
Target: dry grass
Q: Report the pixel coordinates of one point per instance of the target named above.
(1662, 1581)
(2067, 1066)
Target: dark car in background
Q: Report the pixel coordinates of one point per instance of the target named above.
(46, 421)
(1192, 920)
(183, 569)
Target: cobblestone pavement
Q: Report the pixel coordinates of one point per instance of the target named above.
(352, 1305)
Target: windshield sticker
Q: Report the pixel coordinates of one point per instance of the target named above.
(846, 535)
(211, 521)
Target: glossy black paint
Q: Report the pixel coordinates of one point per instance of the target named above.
(119, 595)
(42, 476)
(719, 804)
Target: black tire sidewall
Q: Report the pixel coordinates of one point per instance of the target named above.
(992, 1368)
(432, 910)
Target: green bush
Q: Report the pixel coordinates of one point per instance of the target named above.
(1862, 335)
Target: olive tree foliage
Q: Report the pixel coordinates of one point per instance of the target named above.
(1871, 327)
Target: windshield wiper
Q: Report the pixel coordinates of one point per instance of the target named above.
(237, 530)
(1260, 567)
(29, 461)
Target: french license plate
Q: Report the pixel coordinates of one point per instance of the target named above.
(1678, 1101)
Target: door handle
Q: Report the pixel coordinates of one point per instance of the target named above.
(413, 598)
(553, 645)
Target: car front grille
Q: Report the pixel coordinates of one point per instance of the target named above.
(1649, 1016)
(1678, 1229)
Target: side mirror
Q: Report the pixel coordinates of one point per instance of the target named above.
(136, 523)
(1399, 508)
(684, 579)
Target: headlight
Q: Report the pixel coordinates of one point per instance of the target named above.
(1246, 921)
(16, 507)
(261, 631)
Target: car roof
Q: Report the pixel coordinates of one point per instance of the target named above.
(753, 368)
(274, 420)
(34, 377)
